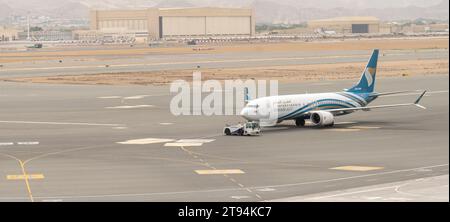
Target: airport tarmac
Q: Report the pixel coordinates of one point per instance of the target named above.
(157, 62)
(121, 143)
(430, 189)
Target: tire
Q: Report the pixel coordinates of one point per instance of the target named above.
(300, 122)
(227, 132)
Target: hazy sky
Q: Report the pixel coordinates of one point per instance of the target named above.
(303, 3)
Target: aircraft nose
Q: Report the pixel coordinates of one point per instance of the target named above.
(244, 112)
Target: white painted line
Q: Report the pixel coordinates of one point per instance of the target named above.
(195, 140)
(178, 63)
(145, 141)
(240, 197)
(129, 107)
(228, 189)
(28, 143)
(321, 84)
(343, 123)
(423, 170)
(343, 130)
(364, 127)
(6, 144)
(165, 124)
(183, 144)
(357, 168)
(268, 189)
(120, 128)
(109, 97)
(53, 200)
(60, 123)
(355, 192)
(136, 97)
(213, 172)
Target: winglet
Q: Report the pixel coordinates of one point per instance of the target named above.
(418, 100)
(246, 96)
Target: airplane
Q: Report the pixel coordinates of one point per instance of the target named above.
(321, 108)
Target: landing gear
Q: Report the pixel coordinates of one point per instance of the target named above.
(300, 122)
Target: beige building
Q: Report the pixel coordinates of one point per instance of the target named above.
(158, 23)
(8, 34)
(365, 24)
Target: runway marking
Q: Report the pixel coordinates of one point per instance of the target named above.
(214, 172)
(7, 144)
(22, 177)
(240, 197)
(19, 143)
(59, 123)
(178, 63)
(195, 140)
(120, 128)
(349, 193)
(343, 130)
(321, 84)
(224, 172)
(129, 107)
(109, 97)
(343, 123)
(267, 189)
(55, 200)
(183, 144)
(423, 170)
(28, 143)
(145, 141)
(166, 124)
(364, 127)
(189, 142)
(233, 189)
(136, 97)
(357, 168)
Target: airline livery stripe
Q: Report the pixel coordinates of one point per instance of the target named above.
(318, 104)
(361, 102)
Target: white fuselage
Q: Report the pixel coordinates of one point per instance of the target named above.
(296, 106)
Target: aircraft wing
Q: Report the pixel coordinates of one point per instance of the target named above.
(395, 92)
(368, 108)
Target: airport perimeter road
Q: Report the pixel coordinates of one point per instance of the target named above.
(114, 64)
(121, 143)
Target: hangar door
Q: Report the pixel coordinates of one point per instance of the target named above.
(188, 25)
(360, 28)
(228, 25)
(201, 25)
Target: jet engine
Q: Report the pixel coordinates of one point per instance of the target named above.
(322, 118)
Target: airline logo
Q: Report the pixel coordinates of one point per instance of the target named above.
(369, 76)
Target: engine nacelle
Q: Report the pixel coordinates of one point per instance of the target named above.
(322, 118)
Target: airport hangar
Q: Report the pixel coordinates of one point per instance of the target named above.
(160, 23)
(347, 25)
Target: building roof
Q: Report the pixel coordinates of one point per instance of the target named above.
(349, 19)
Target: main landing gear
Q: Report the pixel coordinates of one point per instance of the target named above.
(300, 122)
